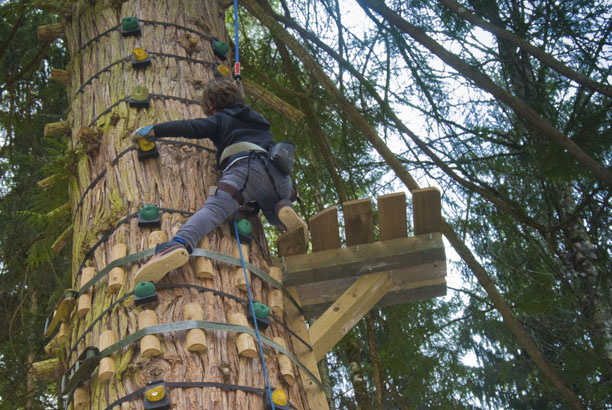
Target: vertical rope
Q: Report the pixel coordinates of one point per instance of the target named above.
(236, 45)
(248, 285)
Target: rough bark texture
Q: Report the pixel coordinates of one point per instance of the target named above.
(176, 180)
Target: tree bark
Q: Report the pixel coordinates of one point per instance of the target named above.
(177, 180)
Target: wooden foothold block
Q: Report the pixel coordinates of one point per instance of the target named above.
(63, 332)
(51, 32)
(106, 368)
(116, 276)
(60, 75)
(84, 305)
(204, 266)
(275, 297)
(392, 221)
(426, 211)
(196, 338)
(239, 279)
(244, 341)
(80, 398)
(284, 363)
(358, 221)
(149, 345)
(57, 129)
(324, 229)
(157, 237)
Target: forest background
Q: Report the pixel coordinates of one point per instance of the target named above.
(505, 106)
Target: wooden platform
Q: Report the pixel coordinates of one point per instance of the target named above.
(415, 265)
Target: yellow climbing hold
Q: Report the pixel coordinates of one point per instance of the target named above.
(279, 397)
(140, 54)
(157, 393)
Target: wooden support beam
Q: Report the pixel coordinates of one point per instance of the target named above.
(324, 230)
(361, 259)
(57, 129)
(345, 312)
(295, 321)
(322, 277)
(392, 220)
(358, 221)
(427, 210)
(51, 32)
(60, 75)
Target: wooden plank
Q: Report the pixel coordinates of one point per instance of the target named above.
(291, 243)
(358, 221)
(361, 259)
(392, 221)
(324, 230)
(296, 322)
(426, 210)
(347, 310)
(424, 290)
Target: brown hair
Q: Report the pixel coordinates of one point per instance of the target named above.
(220, 93)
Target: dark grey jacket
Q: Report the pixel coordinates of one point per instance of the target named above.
(236, 123)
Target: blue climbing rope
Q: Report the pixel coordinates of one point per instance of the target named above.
(236, 42)
(248, 285)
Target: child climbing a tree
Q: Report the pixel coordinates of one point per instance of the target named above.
(243, 141)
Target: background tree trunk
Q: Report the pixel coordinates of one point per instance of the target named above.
(177, 180)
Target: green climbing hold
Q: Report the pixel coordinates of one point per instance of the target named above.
(144, 289)
(139, 97)
(261, 311)
(220, 48)
(144, 293)
(129, 25)
(244, 227)
(140, 93)
(149, 212)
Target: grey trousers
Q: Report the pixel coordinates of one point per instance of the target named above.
(219, 207)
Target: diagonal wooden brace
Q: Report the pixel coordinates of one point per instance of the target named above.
(343, 314)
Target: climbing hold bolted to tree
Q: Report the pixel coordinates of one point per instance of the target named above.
(147, 149)
(221, 70)
(156, 396)
(130, 26)
(244, 230)
(220, 48)
(140, 58)
(279, 398)
(261, 315)
(148, 216)
(139, 97)
(144, 292)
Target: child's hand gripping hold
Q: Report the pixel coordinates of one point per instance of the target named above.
(144, 137)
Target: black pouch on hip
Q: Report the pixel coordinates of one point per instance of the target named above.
(281, 155)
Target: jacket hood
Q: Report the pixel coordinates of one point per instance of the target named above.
(246, 114)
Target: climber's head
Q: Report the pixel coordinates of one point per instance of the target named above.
(220, 93)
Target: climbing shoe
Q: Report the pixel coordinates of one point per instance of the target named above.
(290, 219)
(168, 256)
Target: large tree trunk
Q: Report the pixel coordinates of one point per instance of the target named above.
(177, 180)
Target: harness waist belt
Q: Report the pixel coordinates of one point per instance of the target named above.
(238, 148)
